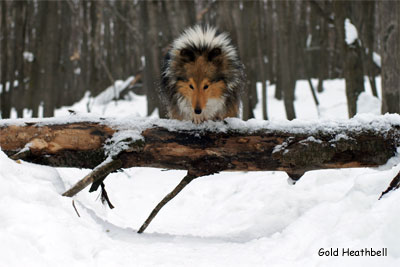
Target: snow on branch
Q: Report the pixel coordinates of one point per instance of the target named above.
(351, 33)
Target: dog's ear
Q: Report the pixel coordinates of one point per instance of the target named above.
(187, 55)
(214, 53)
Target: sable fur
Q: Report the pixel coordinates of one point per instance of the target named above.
(202, 72)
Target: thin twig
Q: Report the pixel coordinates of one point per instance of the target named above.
(73, 204)
(104, 196)
(313, 92)
(394, 184)
(185, 181)
(98, 173)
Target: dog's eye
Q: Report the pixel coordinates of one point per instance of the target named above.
(191, 87)
(205, 87)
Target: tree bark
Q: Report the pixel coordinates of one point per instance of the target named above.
(352, 58)
(151, 52)
(261, 56)
(4, 73)
(289, 149)
(286, 57)
(368, 9)
(390, 52)
(244, 22)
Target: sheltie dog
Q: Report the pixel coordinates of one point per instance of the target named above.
(202, 77)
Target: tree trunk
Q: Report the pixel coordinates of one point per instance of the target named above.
(18, 61)
(368, 15)
(286, 58)
(245, 26)
(352, 58)
(5, 95)
(390, 53)
(149, 14)
(261, 57)
(322, 52)
(353, 74)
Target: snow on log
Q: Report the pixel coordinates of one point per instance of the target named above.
(233, 145)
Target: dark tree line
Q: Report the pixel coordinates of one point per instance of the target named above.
(52, 52)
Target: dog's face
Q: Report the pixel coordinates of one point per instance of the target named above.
(201, 83)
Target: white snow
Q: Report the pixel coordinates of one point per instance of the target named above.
(333, 104)
(377, 59)
(143, 60)
(7, 87)
(227, 219)
(28, 56)
(112, 91)
(77, 71)
(311, 139)
(103, 104)
(367, 103)
(309, 40)
(350, 32)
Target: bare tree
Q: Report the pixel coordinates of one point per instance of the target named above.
(262, 57)
(366, 25)
(352, 57)
(286, 56)
(390, 52)
(5, 95)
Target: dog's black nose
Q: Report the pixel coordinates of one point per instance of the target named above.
(197, 110)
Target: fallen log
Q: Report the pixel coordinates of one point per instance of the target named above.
(293, 147)
(232, 145)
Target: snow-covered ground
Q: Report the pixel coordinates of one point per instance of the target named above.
(227, 219)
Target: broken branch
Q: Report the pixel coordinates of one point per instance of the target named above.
(394, 184)
(185, 181)
(97, 174)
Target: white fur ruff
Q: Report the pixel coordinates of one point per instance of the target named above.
(213, 110)
(198, 36)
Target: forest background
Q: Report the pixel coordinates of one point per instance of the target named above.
(55, 51)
